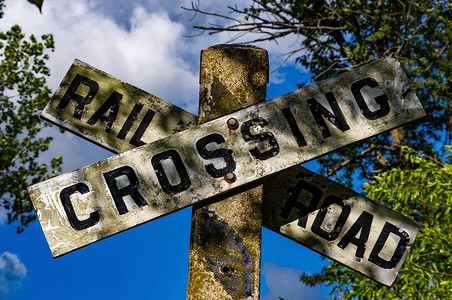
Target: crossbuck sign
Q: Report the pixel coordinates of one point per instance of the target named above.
(217, 157)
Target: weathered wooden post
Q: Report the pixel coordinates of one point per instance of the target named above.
(225, 241)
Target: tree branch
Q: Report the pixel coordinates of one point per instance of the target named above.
(346, 162)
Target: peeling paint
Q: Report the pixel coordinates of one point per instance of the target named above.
(276, 201)
(167, 119)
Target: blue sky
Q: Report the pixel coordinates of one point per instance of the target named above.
(143, 43)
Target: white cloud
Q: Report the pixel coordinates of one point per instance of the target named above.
(285, 283)
(12, 272)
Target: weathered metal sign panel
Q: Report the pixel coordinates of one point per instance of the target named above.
(111, 113)
(338, 223)
(86, 205)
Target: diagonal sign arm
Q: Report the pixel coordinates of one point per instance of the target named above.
(406, 108)
(110, 113)
(337, 222)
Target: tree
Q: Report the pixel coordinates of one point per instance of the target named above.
(23, 94)
(337, 35)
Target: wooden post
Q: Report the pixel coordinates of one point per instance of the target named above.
(225, 241)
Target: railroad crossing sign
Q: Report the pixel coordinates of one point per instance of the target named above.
(155, 179)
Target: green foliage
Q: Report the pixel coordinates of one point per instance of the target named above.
(423, 192)
(23, 94)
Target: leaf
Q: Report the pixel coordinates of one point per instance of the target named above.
(23, 70)
(38, 3)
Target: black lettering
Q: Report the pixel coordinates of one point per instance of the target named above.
(261, 137)
(292, 202)
(130, 120)
(226, 154)
(162, 176)
(294, 127)
(340, 222)
(136, 138)
(65, 196)
(380, 100)
(389, 228)
(320, 112)
(112, 106)
(81, 101)
(131, 189)
(363, 224)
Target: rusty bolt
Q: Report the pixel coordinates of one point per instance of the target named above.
(232, 123)
(230, 177)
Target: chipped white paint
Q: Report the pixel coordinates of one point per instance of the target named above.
(279, 188)
(166, 120)
(387, 73)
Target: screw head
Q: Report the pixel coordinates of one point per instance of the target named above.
(230, 177)
(232, 123)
